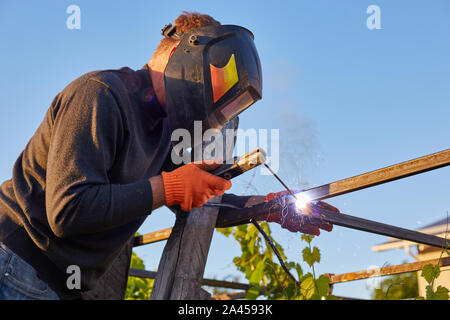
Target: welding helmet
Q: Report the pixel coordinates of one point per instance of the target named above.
(213, 75)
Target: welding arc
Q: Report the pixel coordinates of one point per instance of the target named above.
(275, 250)
(279, 179)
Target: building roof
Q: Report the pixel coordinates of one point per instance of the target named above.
(442, 222)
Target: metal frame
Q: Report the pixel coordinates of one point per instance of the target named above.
(334, 279)
(232, 217)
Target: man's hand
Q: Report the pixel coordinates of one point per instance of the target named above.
(192, 186)
(306, 222)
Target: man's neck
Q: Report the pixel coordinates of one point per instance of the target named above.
(157, 77)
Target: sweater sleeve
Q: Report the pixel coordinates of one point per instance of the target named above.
(87, 133)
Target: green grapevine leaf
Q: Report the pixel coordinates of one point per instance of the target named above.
(307, 287)
(308, 238)
(441, 293)
(253, 292)
(323, 283)
(430, 272)
(258, 274)
(310, 257)
(225, 231)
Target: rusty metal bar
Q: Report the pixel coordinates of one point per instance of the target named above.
(142, 273)
(230, 296)
(205, 282)
(231, 217)
(242, 294)
(386, 271)
(152, 237)
(376, 177)
(225, 284)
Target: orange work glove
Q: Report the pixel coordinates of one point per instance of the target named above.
(192, 186)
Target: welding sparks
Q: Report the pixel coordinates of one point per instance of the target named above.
(301, 201)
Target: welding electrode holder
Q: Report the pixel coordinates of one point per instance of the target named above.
(233, 168)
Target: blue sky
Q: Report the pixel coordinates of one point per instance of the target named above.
(346, 100)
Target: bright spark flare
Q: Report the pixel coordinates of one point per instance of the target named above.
(302, 201)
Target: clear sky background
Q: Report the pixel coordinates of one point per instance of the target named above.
(346, 99)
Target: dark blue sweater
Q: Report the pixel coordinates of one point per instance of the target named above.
(80, 188)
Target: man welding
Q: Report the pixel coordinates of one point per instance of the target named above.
(99, 163)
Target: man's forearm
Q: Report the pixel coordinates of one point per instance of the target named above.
(242, 201)
(159, 198)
